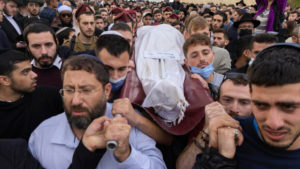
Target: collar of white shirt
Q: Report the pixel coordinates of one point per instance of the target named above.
(57, 62)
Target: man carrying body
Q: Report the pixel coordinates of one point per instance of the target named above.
(221, 62)
(271, 135)
(85, 90)
(114, 52)
(234, 95)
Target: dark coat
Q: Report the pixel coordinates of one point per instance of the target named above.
(11, 32)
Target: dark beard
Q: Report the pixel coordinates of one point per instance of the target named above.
(44, 65)
(82, 122)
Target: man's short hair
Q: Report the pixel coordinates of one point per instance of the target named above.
(8, 60)
(38, 28)
(121, 26)
(196, 39)
(284, 59)
(98, 17)
(196, 24)
(240, 11)
(88, 64)
(220, 30)
(228, 10)
(263, 38)
(238, 79)
(296, 31)
(295, 12)
(85, 13)
(224, 16)
(102, 10)
(243, 44)
(188, 20)
(114, 44)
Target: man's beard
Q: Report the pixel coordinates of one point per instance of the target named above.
(82, 122)
(45, 65)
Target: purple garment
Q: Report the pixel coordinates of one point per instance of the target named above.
(262, 6)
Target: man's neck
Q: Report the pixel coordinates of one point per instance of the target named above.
(78, 133)
(242, 61)
(84, 39)
(9, 95)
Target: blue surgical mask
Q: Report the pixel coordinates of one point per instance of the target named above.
(117, 84)
(204, 72)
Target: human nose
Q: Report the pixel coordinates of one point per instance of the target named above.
(76, 99)
(44, 50)
(33, 75)
(114, 74)
(273, 119)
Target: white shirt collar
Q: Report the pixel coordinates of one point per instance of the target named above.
(57, 62)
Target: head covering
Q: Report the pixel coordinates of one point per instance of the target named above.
(207, 10)
(64, 8)
(132, 13)
(147, 14)
(124, 16)
(116, 11)
(137, 9)
(156, 11)
(111, 33)
(83, 8)
(168, 9)
(174, 16)
(40, 2)
(247, 18)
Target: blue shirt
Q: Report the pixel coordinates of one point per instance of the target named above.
(53, 144)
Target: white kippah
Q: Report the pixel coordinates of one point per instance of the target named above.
(64, 8)
(112, 33)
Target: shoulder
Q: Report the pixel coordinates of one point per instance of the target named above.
(51, 123)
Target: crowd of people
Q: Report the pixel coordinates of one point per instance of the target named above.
(70, 85)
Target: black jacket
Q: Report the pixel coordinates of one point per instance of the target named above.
(14, 154)
(10, 31)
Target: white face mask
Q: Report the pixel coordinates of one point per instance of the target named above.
(251, 61)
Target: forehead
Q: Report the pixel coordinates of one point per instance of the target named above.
(43, 37)
(99, 20)
(63, 12)
(31, 3)
(275, 94)
(219, 34)
(113, 61)
(80, 78)
(229, 89)
(11, 3)
(201, 31)
(260, 46)
(217, 16)
(85, 17)
(198, 48)
(246, 23)
(22, 65)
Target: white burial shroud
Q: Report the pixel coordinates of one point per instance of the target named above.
(159, 58)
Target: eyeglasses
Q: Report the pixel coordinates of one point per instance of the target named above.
(66, 15)
(82, 92)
